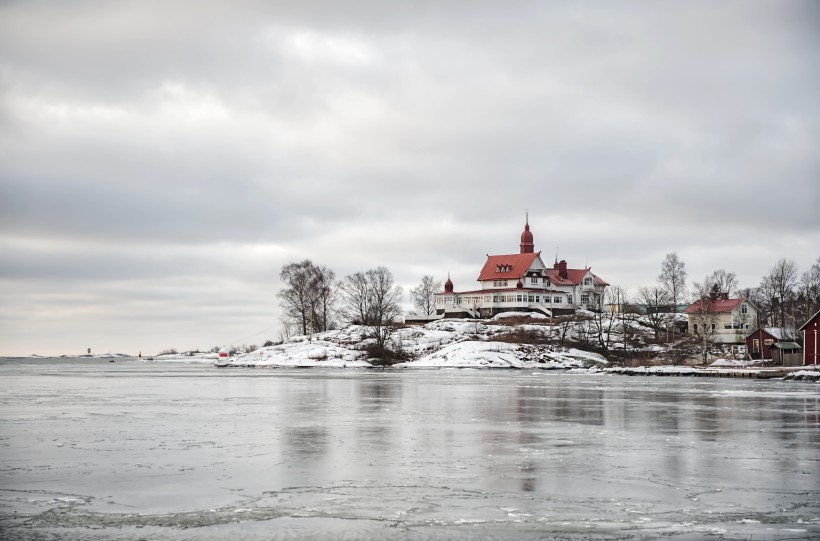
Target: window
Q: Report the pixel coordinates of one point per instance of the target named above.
(587, 281)
(499, 283)
(695, 327)
(569, 299)
(714, 326)
(534, 280)
(585, 299)
(744, 309)
(556, 300)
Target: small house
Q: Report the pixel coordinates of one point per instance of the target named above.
(759, 343)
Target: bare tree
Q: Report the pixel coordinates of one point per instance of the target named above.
(673, 278)
(286, 328)
(810, 290)
(655, 299)
(726, 282)
(309, 296)
(356, 298)
(325, 297)
(704, 315)
(603, 322)
(372, 298)
(424, 295)
(779, 286)
(295, 297)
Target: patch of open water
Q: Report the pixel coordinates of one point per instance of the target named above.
(128, 450)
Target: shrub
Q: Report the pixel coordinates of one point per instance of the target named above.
(521, 336)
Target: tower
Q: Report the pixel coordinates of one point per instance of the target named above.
(527, 245)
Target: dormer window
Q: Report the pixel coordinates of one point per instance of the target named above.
(503, 268)
(587, 281)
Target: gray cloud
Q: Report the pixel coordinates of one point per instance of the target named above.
(145, 149)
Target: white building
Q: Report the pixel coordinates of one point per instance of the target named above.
(522, 282)
(728, 320)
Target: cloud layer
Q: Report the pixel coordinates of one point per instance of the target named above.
(158, 165)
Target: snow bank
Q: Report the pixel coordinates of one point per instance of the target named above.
(302, 355)
(446, 343)
(184, 357)
(736, 363)
(664, 370)
(474, 354)
(804, 375)
(471, 355)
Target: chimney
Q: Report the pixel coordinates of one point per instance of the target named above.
(562, 269)
(725, 296)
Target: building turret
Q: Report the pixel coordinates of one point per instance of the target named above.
(527, 245)
(448, 285)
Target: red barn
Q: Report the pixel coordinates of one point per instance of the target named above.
(811, 341)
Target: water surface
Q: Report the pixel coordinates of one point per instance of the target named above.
(130, 450)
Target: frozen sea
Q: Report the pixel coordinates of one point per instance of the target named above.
(128, 450)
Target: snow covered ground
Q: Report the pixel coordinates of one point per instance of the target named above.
(738, 363)
(450, 343)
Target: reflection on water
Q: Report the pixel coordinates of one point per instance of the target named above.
(423, 454)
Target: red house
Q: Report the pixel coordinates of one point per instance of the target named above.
(759, 342)
(811, 341)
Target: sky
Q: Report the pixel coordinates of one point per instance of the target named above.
(161, 161)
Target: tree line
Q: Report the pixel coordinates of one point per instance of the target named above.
(785, 297)
(314, 301)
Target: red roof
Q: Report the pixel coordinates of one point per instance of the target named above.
(574, 277)
(718, 305)
(518, 264)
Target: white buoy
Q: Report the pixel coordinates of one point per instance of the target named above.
(223, 358)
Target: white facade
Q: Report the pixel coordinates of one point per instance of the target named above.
(538, 291)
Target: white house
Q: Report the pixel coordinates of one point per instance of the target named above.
(522, 282)
(729, 320)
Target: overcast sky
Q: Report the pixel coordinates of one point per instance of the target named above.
(161, 161)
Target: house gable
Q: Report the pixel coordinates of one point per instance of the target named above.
(509, 267)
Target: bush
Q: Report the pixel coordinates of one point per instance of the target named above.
(521, 336)
(387, 356)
